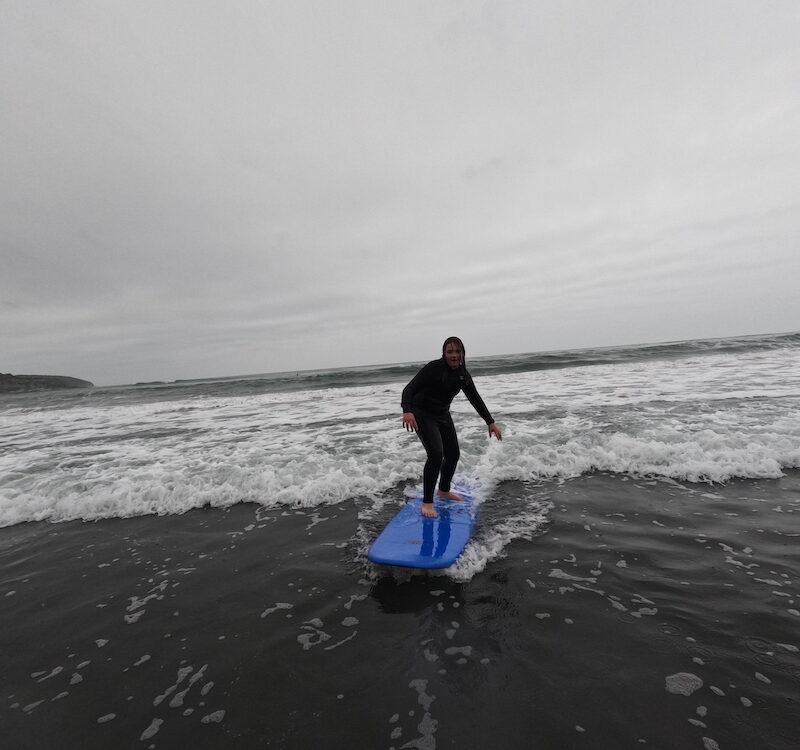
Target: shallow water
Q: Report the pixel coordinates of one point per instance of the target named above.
(638, 613)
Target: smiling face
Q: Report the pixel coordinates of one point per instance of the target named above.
(453, 355)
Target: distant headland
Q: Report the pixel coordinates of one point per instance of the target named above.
(23, 383)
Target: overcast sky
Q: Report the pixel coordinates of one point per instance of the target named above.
(194, 188)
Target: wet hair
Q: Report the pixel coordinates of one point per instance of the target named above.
(458, 342)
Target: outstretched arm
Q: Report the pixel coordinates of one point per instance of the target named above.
(471, 392)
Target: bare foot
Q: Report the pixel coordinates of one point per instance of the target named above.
(449, 495)
(429, 511)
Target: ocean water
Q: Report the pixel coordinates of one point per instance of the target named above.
(698, 411)
(188, 559)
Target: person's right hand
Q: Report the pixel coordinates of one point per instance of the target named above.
(409, 421)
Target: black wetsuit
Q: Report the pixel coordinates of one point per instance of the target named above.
(428, 396)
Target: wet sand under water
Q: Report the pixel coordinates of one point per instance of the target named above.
(643, 614)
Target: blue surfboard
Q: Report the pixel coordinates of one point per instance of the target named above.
(414, 541)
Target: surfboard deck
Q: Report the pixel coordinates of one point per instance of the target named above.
(414, 541)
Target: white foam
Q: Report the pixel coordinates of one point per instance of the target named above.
(697, 419)
(214, 717)
(278, 606)
(428, 725)
(55, 671)
(682, 683)
(493, 537)
(344, 640)
(155, 725)
(314, 635)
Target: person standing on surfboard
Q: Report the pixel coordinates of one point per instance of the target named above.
(426, 410)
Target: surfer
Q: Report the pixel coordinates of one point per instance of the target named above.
(426, 410)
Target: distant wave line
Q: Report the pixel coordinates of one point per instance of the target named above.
(493, 364)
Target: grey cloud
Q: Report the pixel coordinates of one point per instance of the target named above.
(190, 189)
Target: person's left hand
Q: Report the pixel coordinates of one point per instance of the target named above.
(495, 430)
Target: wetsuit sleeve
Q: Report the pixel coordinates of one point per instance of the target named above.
(471, 392)
(419, 381)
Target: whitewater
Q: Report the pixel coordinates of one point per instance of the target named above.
(707, 411)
